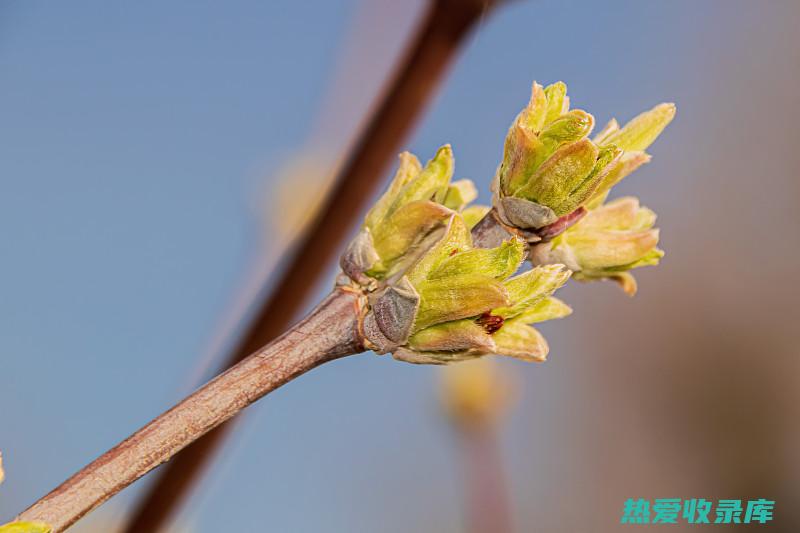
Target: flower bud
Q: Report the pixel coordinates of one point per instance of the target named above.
(606, 243)
(550, 168)
(405, 228)
(433, 298)
(405, 215)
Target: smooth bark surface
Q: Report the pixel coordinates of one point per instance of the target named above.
(329, 332)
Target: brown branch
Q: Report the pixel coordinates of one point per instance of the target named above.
(414, 81)
(487, 506)
(331, 331)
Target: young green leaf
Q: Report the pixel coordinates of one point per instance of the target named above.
(474, 214)
(529, 287)
(640, 132)
(431, 183)
(568, 127)
(457, 297)
(533, 117)
(409, 169)
(603, 249)
(549, 308)
(557, 177)
(459, 194)
(498, 263)
(456, 238)
(458, 335)
(521, 341)
(556, 100)
(405, 227)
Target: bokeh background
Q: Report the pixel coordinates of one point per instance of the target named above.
(146, 151)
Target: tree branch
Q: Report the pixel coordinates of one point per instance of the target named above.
(329, 332)
(413, 83)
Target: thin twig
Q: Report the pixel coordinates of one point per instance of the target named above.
(432, 49)
(331, 331)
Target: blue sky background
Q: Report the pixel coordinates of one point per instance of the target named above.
(140, 144)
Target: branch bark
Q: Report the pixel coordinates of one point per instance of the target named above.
(330, 331)
(433, 47)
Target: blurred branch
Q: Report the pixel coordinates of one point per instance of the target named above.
(486, 491)
(329, 332)
(475, 396)
(433, 47)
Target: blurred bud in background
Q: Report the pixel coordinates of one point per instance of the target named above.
(297, 193)
(476, 394)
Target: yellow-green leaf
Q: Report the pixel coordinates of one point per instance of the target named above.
(459, 194)
(606, 158)
(456, 238)
(617, 171)
(533, 117)
(561, 173)
(530, 287)
(498, 263)
(406, 227)
(458, 335)
(620, 214)
(474, 214)
(521, 341)
(549, 308)
(431, 183)
(640, 132)
(409, 169)
(556, 100)
(568, 127)
(457, 297)
(601, 249)
(523, 153)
